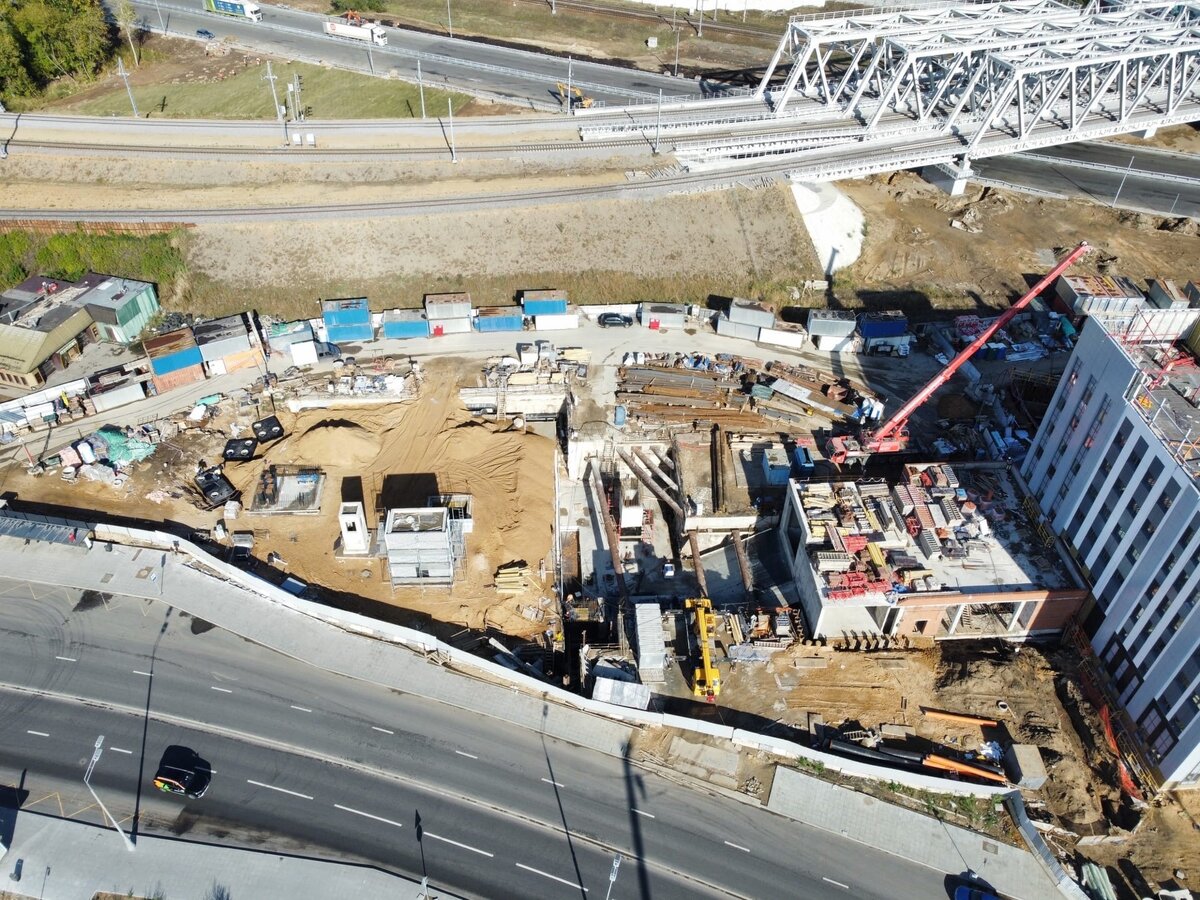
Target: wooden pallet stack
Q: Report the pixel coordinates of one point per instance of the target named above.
(513, 579)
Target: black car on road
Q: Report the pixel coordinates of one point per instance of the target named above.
(614, 320)
(205, 33)
(183, 772)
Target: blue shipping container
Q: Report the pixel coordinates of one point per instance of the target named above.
(500, 323)
(346, 312)
(339, 333)
(870, 327)
(417, 328)
(173, 362)
(804, 461)
(554, 307)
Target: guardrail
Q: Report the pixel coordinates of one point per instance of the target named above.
(1117, 170)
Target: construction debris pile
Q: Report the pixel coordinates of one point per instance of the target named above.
(104, 456)
(735, 392)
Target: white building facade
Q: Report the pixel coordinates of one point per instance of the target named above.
(1112, 470)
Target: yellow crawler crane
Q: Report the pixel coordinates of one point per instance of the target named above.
(706, 680)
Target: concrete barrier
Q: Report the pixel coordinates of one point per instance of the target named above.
(1067, 886)
(429, 646)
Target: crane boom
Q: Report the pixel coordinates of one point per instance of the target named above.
(900, 419)
(892, 436)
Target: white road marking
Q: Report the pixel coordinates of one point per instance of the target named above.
(138, 672)
(119, 750)
(67, 658)
(738, 847)
(271, 787)
(836, 883)
(38, 733)
(551, 877)
(384, 730)
(366, 815)
(642, 812)
(301, 708)
(438, 837)
(555, 783)
(467, 755)
(222, 690)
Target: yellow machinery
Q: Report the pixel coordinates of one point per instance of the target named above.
(706, 680)
(577, 98)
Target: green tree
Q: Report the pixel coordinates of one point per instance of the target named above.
(14, 77)
(59, 38)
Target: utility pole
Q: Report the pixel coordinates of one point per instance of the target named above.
(125, 77)
(298, 90)
(161, 24)
(453, 149)
(700, 25)
(569, 65)
(449, 21)
(421, 88)
(676, 52)
(612, 876)
(658, 123)
(270, 79)
(87, 780)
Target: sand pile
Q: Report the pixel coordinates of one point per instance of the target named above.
(330, 443)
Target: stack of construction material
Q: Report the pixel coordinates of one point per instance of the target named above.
(513, 578)
(651, 643)
(674, 396)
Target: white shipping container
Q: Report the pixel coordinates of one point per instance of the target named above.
(559, 322)
(119, 396)
(438, 327)
(833, 343)
(781, 338)
(304, 353)
(729, 328)
(447, 309)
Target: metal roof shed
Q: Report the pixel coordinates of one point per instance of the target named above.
(831, 323)
(749, 312)
(663, 315)
(405, 323)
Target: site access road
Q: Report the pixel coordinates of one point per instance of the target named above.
(313, 763)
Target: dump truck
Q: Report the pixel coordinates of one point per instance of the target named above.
(236, 8)
(355, 29)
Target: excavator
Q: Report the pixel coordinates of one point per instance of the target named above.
(576, 95)
(892, 436)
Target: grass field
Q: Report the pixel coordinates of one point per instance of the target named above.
(243, 93)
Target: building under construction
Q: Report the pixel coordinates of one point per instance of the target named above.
(939, 554)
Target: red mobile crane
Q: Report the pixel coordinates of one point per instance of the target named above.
(892, 436)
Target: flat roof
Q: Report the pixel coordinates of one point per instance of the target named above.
(219, 329)
(871, 542)
(351, 303)
(110, 290)
(416, 519)
(403, 315)
(1170, 397)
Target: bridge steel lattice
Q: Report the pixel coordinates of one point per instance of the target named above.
(983, 79)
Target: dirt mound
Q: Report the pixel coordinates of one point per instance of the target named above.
(332, 443)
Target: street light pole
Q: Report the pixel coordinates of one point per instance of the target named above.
(87, 780)
(676, 52)
(421, 88)
(658, 122)
(161, 23)
(125, 77)
(449, 21)
(1123, 177)
(450, 110)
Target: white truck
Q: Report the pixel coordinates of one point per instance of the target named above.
(360, 32)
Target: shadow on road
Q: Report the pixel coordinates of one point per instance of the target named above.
(137, 802)
(635, 790)
(561, 812)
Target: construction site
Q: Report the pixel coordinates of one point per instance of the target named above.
(759, 542)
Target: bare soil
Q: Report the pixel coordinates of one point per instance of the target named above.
(403, 453)
(912, 257)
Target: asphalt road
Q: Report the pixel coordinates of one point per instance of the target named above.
(516, 75)
(311, 763)
(1163, 183)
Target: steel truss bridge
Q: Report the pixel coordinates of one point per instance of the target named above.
(944, 84)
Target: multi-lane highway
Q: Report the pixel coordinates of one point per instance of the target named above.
(316, 764)
(511, 74)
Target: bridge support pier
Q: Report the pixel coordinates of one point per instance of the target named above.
(953, 179)
(1148, 133)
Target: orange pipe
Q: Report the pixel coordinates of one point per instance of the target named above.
(951, 765)
(957, 717)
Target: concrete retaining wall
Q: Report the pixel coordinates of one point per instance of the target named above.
(423, 643)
